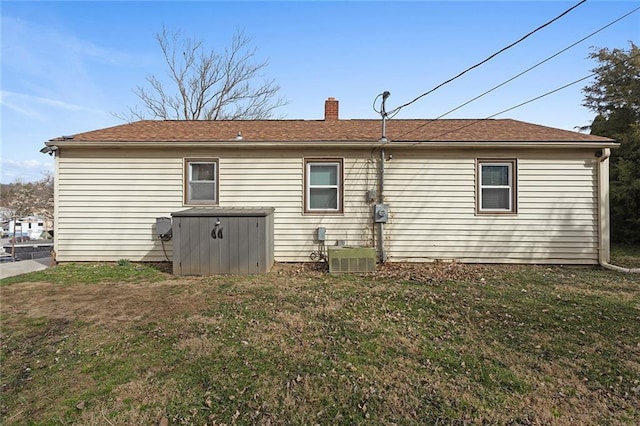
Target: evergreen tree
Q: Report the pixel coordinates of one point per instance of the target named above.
(615, 96)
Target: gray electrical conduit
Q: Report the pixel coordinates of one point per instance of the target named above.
(606, 153)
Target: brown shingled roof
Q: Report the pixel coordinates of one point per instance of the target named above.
(460, 130)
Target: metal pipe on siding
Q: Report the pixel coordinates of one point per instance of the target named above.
(383, 254)
(382, 176)
(383, 139)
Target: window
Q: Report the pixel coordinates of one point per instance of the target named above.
(201, 181)
(323, 186)
(496, 186)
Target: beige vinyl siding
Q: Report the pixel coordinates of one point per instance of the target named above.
(433, 212)
(107, 201)
(107, 204)
(278, 183)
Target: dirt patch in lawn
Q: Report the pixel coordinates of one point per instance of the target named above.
(104, 304)
(116, 303)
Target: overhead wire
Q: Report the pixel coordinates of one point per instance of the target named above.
(374, 104)
(521, 73)
(523, 103)
(397, 109)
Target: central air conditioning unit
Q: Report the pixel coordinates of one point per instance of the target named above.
(344, 260)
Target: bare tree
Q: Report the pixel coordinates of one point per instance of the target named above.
(208, 85)
(31, 198)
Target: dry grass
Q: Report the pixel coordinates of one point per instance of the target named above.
(411, 344)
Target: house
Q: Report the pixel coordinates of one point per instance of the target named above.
(29, 227)
(5, 217)
(471, 190)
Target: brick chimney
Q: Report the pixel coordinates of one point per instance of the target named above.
(331, 109)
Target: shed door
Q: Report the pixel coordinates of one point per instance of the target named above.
(244, 246)
(232, 246)
(221, 245)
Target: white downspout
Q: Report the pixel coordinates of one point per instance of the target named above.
(604, 243)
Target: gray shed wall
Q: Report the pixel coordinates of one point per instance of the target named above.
(211, 241)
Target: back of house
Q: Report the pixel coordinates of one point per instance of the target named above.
(481, 191)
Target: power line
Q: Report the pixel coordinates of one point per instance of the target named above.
(522, 73)
(522, 103)
(397, 109)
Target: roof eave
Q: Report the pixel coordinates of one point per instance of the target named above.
(331, 144)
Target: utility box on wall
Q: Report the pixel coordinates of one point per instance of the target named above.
(381, 213)
(217, 240)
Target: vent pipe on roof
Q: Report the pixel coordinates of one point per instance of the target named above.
(331, 109)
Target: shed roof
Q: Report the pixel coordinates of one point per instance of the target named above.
(357, 130)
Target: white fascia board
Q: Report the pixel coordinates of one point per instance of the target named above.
(331, 144)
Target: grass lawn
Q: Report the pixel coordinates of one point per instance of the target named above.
(626, 256)
(99, 344)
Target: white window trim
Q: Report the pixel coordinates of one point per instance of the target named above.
(511, 164)
(189, 180)
(338, 186)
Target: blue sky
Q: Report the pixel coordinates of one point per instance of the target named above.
(67, 67)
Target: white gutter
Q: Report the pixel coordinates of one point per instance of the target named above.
(604, 252)
(342, 144)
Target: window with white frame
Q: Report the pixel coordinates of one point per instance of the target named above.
(323, 186)
(496, 186)
(201, 181)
